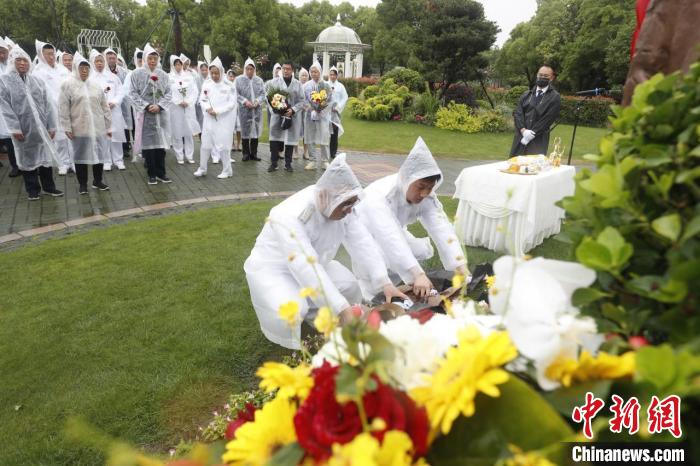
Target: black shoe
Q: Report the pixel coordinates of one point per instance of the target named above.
(164, 179)
(33, 197)
(70, 170)
(257, 159)
(246, 158)
(101, 186)
(288, 169)
(14, 173)
(82, 189)
(54, 192)
(272, 168)
(152, 180)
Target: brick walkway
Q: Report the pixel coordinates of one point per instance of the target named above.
(130, 194)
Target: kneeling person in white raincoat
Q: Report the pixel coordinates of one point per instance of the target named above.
(85, 116)
(396, 201)
(296, 249)
(220, 107)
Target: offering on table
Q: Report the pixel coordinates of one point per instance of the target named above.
(527, 164)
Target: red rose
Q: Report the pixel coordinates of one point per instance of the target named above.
(154, 77)
(321, 421)
(180, 83)
(422, 316)
(243, 416)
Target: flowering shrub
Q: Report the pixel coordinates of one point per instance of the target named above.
(355, 86)
(458, 117)
(381, 102)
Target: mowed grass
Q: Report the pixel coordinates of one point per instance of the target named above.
(141, 329)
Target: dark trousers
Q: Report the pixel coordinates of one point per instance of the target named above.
(250, 148)
(81, 172)
(10, 151)
(334, 141)
(278, 146)
(126, 146)
(33, 178)
(155, 162)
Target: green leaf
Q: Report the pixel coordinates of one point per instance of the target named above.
(668, 226)
(345, 381)
(692, 229)
(498, 422)
(655, 364)
(619, 249)
(584, 296)
(604, 183)
(289, 455)
(593, 254)
(658, 288)
(565, 399)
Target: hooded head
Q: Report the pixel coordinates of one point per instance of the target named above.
(249, 62)
(174, 59)
(231, 75)
(276, 70)
(303, 72)
(16, 54)
(315, 71)
(203, 69)
(330, 73)
(149, 51)
(10, 43)
(4, 50)
(94, 57)
(48, 49)
(136, 57)
(418, 166)
(79, 60)
(110, 57)
(337, 185)
(185, 61)
(67, 60)
(216, 65)
(120, 60)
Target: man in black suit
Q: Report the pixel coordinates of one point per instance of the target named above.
(537, 109)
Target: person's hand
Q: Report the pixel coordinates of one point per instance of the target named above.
(69, 135)
(422, 286)
(18, 136)
(111, 105)
(349, 314)
(153, 108)
(211, 112)
(390, 291)
(249, 104)
(52, 133)
(183, 104)
(289, 112)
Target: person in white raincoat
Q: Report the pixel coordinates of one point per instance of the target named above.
(86, 118)
(285, 140)
(149, 90)
(5, 138)
(53, 74)
(115, 68)
(114, 92)
(131, 121)
(317, 122)
(220, 106)
(396, 201)
(275, 74)
(297, 247)
(303, 79)
(183, 117)
(201, 76)
(340, 98)
(251, 99)
(31, 122)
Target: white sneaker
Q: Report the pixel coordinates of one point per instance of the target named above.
(326, 165)
(121, 166)
(233, 160)
(190, 160)
(310, 166)
(108, 167)
(215, 160)
(223, 176)
(180, 162)
(200, 172)
(62, 171)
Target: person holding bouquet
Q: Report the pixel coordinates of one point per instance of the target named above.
(251, 98)
(183, 117)
(286, 99)
(317, 124)
(219, 104)
(150, 93)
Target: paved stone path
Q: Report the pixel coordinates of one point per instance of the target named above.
(130, 194)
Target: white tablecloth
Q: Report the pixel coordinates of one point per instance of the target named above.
(508, 212)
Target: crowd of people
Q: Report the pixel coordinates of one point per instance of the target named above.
(68, 112)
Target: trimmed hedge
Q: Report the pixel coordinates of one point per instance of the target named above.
(594, 111)
(355, 86)
(406, 77)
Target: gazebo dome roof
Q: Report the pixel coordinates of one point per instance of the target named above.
(338, 34)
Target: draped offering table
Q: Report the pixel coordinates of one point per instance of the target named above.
(510, 212)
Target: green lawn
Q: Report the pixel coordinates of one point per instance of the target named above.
(142, 329)
(398, 137)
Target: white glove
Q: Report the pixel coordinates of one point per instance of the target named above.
(528, 135)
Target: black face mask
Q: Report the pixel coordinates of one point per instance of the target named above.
(542, 82)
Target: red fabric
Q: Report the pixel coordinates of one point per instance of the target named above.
(642, 6)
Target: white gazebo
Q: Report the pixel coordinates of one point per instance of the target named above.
(341, 47)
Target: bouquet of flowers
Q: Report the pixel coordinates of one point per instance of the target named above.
(277, 98)
(319, 100)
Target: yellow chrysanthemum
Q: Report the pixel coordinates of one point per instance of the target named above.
(602, 367)
(458, 280)
(490, 281)
(325, 322)
(257, 441)
(290, 381)
(396, 449)
(289, 312)
(362, 451)
(308, 293)
(473, 366)
(520, 458)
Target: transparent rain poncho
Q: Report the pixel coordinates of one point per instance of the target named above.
(251, 90)
(151, 87)
(217, 131)
(113, 90)
(337, 184)
(4, 133)
(317, 122)
(26, 109)
(83, 110)
(183, 120)
(53, 77)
